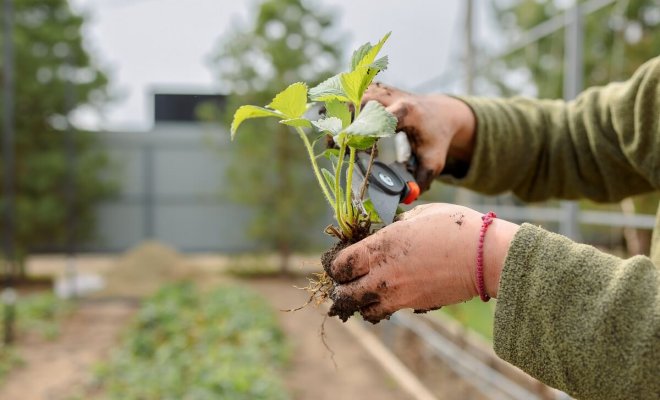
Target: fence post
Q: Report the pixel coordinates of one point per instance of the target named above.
(8, 155)
(148, 195)
(573, 71)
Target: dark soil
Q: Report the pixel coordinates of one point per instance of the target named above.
(329, 256)
(345, 307)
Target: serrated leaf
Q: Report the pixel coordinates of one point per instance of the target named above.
(297, 122)
(339, 110)
(292, 101)
(354, 84)
(373, 121)
(359, 54)
(329, 89)
(370, 55)
(380, 64)
(331, 125)
(361, 142)
(248, 112)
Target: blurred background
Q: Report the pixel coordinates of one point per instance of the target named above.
(146, 257)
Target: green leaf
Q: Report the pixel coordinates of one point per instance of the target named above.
(371, 210)
(328, 90)
(338, 109)
(380, 64)
(361, 142)
(359, 54)
(297, 122)
(292, 101)
(331, 154)
(331, 125)
(371, 54)
(329, 179)
(248, 112)
(373, 121)
(354, 83)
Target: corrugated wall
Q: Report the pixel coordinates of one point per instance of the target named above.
(170, 180)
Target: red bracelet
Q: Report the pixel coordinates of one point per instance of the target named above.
(481, 286)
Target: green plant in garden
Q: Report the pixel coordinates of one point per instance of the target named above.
(184, 344)
(353, 127)
(39, 315)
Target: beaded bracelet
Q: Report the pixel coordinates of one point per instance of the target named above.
(481, 286)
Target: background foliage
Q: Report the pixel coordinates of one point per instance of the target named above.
(617, 39)
(286, 42)
(53, 75)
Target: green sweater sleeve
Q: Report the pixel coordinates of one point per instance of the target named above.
(605, 145)
(578, 319)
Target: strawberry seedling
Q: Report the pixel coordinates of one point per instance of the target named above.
(353, 126)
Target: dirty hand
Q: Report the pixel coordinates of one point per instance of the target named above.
(436, 125)
(425, 260)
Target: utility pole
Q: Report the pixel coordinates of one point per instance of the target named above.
(573, 75)
(70, 151)
(464, 196)
(8, 293)
(469, 47)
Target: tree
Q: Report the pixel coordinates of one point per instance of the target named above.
(617, 39)
(287, 42)
(54, 75)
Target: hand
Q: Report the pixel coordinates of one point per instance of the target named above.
(436, 125)
(425, 260)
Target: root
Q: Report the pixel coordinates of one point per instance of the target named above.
(319, 287)
(324, 336)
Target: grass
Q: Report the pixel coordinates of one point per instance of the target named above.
(184, 344)
(36, 314)
(474, 315)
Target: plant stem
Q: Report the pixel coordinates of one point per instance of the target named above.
(339, 200)
(317, 172)
(349, 184)
(365, 182)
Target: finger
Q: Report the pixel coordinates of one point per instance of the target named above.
(414, 212)
(377, 312)
(351, 297)
(401, 110)
(424, 177)
(382, 93)
(351, 263)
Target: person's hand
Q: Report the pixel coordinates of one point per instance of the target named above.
(425, 260)
(436, 125)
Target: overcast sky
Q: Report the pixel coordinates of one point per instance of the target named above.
(148, 45)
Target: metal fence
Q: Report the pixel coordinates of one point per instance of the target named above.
(170, 181)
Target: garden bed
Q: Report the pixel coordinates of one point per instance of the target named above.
(187, 344)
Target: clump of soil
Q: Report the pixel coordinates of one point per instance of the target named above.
(322, 285)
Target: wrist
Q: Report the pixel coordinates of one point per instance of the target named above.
(463, 124)
(496, 247)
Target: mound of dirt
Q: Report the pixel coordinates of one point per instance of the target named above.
(144, 269)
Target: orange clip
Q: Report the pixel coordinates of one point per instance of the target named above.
(413, 192)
